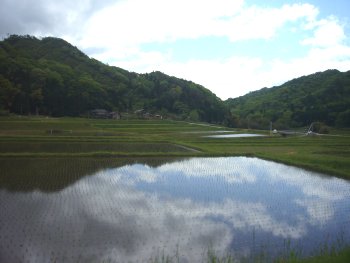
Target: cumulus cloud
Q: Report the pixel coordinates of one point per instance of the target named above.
(136, 23)
(327, 33)
(263, 23)
(46, 17)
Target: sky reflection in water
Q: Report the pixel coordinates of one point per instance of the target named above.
(236, 135)
(137, 212)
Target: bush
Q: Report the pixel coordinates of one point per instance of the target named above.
(320, 127)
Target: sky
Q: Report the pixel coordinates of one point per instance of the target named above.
(231, 47)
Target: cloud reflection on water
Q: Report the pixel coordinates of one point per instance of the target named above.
(128, 213)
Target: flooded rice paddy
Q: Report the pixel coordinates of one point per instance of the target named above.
(236, 135)
(121, 210)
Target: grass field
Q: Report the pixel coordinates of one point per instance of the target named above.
(76, 137)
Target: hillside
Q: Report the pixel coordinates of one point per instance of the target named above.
(322, 97)
(52, 77)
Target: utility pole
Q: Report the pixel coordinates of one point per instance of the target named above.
(270, 128)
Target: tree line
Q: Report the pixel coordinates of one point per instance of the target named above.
(49, 76)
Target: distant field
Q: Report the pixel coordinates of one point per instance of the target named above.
(44, 137)
(83, 147)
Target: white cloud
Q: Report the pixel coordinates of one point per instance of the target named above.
(263, 23)
(122, 28)
(237, 75)
(135, 22)
(223, 77)
(327, 33)
(64, 18)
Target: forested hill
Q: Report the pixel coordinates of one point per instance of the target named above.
(50, 76)
(323, 97)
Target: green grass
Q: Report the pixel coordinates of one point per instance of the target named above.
(79, 137)
(83, 147)
(341, 256)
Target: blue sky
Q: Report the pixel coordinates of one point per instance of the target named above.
(231, 47)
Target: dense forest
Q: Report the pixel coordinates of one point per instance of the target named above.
(51, 77)
(321, 97)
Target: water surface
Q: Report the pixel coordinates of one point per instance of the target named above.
(236, 135)
(131, 211)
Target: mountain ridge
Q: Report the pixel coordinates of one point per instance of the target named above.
(52, 77)
(322, 96)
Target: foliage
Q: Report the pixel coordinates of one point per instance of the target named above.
(320, 127)
(320, 97)
(52, 77)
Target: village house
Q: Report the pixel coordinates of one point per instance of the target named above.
(104, 114)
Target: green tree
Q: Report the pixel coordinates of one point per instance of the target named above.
(343, 119)
(8, 93)
(193, 116)
(38, 82)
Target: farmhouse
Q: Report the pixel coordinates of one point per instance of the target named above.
(115, 115)
(104, 114)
